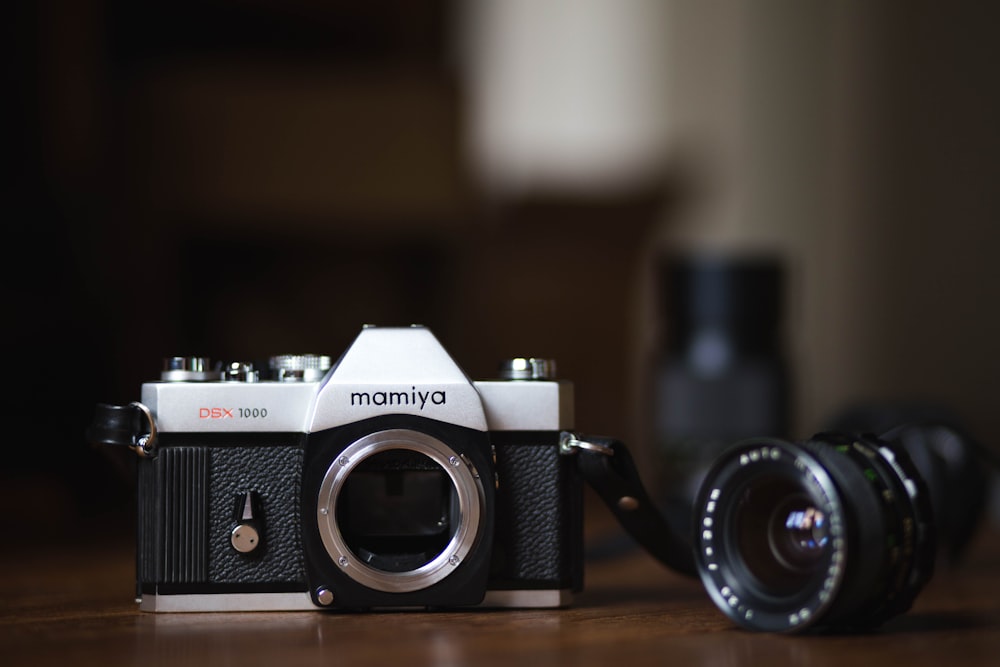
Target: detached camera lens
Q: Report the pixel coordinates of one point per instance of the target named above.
(830, 533)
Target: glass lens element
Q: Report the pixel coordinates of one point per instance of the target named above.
(798, 534)
(780, 535)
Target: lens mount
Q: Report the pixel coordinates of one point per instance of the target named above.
(770, 544)
(469, 501)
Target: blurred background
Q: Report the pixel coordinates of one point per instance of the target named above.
(240, 179)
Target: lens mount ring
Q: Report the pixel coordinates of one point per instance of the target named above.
(724, 569)
(469, 493)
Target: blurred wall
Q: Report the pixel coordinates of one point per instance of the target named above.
(239, 179)
(858, 140)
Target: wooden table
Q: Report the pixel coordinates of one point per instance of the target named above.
(72, 604)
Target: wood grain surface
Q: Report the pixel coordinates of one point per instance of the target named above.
(72, 604)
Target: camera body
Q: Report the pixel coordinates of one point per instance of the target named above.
(387, 479)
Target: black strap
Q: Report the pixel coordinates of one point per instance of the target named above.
(607, 466)
(129, 425)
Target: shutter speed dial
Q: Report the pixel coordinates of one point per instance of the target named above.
(299, 367)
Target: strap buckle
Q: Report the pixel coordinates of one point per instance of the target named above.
(145, 445)
(571, 443)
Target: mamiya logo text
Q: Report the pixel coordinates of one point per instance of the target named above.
(412, 397)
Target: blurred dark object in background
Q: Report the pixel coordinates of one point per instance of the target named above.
(56, 348)
(166, 192)
(227, 178)
(724, 374)
(956, 467)
(237, 180)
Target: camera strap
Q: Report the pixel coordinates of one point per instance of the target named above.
(608, 467)
(129, 425)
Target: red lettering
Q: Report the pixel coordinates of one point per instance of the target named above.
(215, 413)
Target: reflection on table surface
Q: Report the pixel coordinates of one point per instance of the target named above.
(77, 607)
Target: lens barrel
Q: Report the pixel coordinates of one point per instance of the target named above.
(831, 533)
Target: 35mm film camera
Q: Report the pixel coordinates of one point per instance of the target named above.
(387, 479)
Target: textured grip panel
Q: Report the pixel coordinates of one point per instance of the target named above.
(539, 514)
(275, 473)
(173, 517)
(147, 537)
(185, 515)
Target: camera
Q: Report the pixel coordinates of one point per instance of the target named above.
(385, 479)
(832, 533)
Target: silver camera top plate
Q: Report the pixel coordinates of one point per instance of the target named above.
(386, 370)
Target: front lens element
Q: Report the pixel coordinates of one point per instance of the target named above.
(779, 534)
(799, 534)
